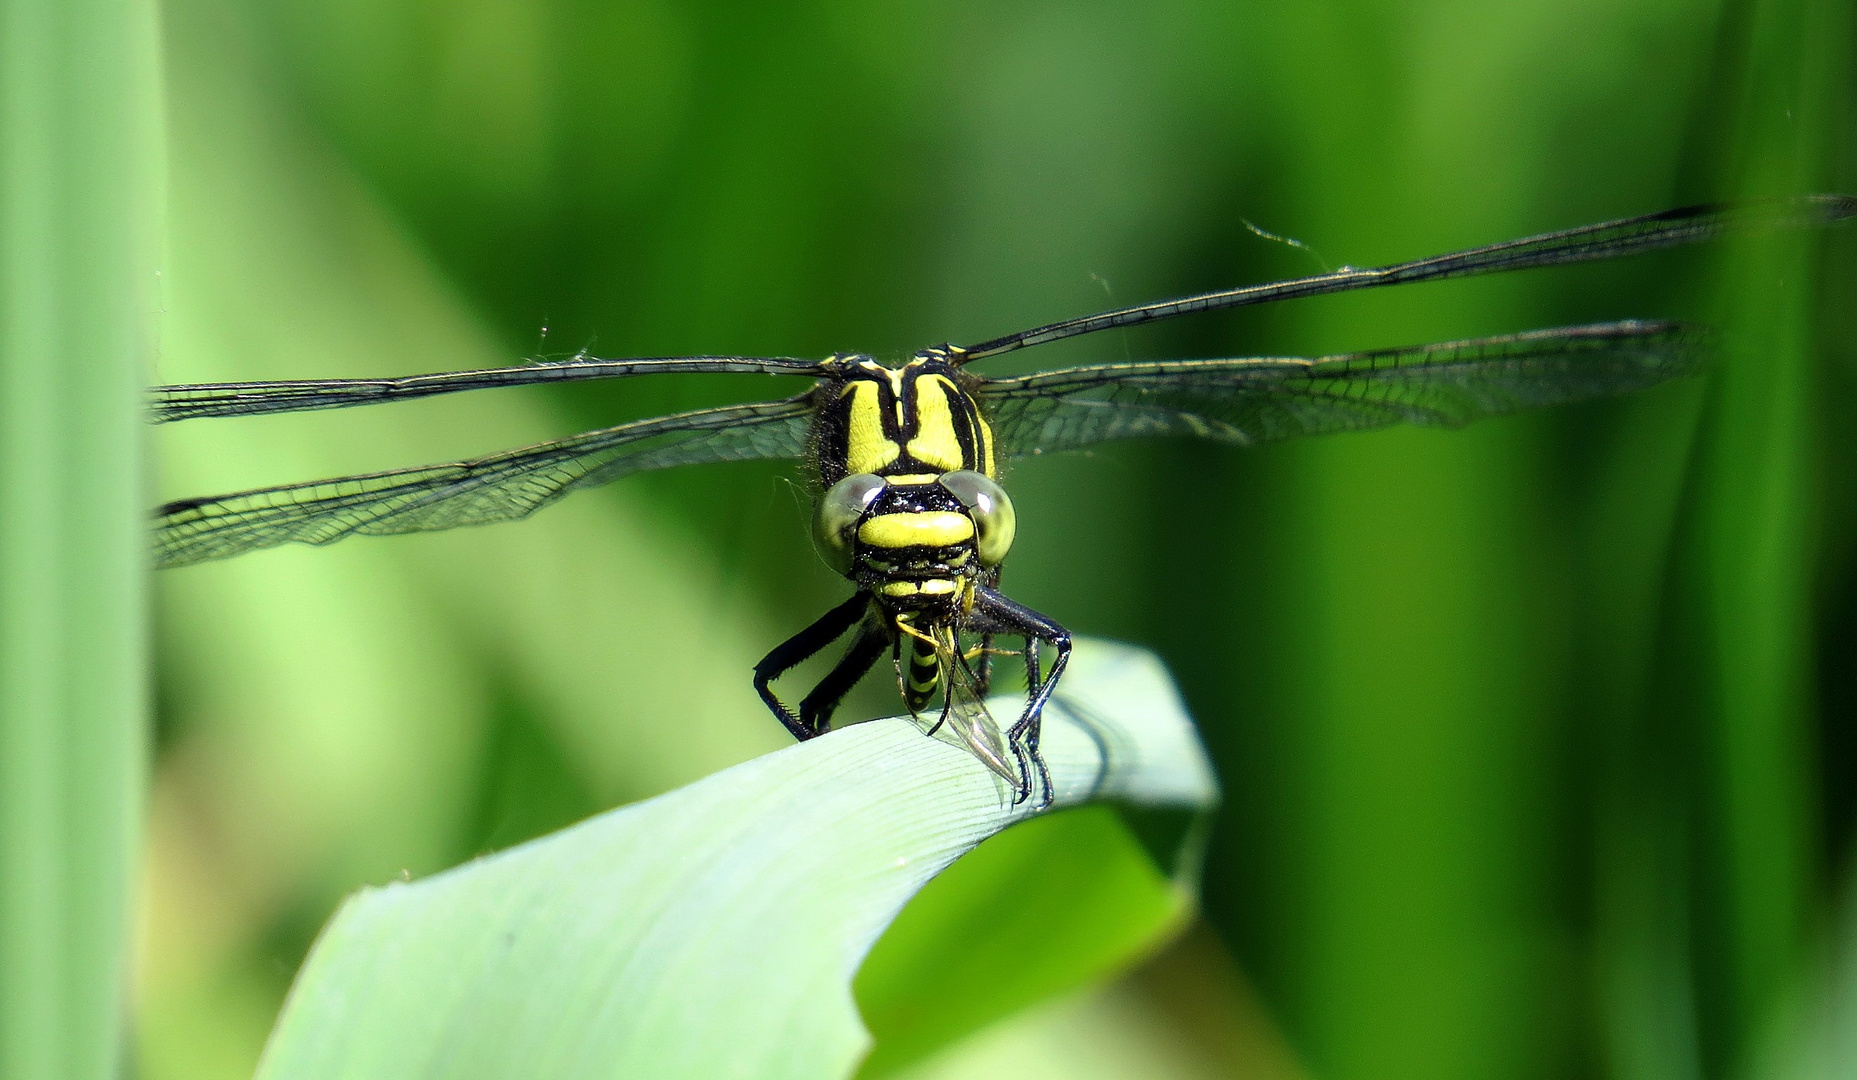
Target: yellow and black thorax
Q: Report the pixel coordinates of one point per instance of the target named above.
(901, 422)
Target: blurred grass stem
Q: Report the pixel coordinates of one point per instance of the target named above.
(79, 199)
(1754, 557)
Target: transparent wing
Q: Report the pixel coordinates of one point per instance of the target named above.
(1250, 401)
(1690, 225)
(188, 402)
(965, 719)
(499, 487)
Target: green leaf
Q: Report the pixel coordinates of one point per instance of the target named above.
(714, 931)
(1038, 910)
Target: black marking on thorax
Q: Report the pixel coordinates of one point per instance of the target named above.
(870, 406)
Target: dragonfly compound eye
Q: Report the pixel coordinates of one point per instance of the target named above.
(995, 524)
(835, 519)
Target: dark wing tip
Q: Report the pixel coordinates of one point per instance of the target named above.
(1832, 207)
(1797, 211)
(179, 506)
(1762, 214)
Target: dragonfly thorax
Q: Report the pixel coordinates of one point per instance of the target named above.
(917, 419)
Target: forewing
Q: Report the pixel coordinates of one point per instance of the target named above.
(499, 487)
(1262, 400)
(188, 402)
(1689, 225)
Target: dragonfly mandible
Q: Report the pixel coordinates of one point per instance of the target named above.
(906, 457)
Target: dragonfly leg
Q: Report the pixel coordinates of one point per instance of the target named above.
(817, 707)
(947, 703)
(983, 671)
(995, 614)
(799, 648)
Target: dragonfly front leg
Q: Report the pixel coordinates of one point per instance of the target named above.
(801, 647)
(995, 614)
(817, 707)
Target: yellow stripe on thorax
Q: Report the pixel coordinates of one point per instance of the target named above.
(927, 528)
(935, 444)
(984, 434)
(867, 450)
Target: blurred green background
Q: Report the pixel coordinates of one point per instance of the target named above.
(1539, 738)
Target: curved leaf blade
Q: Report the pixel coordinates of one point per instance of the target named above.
(713, 931)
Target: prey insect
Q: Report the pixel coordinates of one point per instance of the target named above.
(907, 456)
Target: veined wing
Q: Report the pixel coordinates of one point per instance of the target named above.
(965, 718)
(499, 487)
(302, 395)
(1607, 240)
(1260, 400)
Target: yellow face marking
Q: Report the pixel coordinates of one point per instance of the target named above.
(931, 528)
(866, 448)
(935, 444)
(931, 587)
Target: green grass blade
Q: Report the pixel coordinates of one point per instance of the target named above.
(713, 931)
(1752, 556)
(79, 198)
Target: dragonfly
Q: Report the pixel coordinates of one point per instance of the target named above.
(906, 457)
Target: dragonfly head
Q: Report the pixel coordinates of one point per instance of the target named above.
(916, 540)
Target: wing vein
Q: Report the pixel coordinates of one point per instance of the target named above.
(497, 487)
(1603, 241)
(191, 401)
(1250, 400)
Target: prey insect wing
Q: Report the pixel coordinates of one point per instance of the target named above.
(964, 714)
